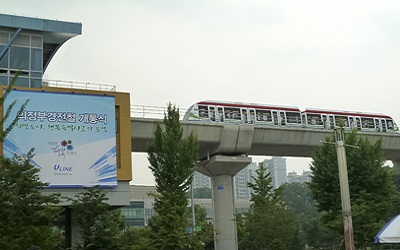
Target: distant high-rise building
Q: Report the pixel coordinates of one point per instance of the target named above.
(201, 181)
(294, 177)
(244, 176)
(277, 167)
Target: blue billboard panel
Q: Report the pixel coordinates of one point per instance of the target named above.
(73, 137)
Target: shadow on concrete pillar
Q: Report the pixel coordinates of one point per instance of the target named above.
(221, 169)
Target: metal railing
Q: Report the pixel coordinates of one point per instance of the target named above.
(78, 85)
(147, 111)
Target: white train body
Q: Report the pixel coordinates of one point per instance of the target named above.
(287, 116)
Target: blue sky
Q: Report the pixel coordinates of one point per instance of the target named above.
(340, 55)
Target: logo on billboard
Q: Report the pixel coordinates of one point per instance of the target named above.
(63, 148)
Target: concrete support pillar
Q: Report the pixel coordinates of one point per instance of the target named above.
(222, 169)
(224, 212)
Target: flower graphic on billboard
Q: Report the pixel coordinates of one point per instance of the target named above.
(67, 144)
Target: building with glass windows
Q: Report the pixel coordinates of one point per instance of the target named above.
(28, 44)
(277, 167)
(244, 176)
(140, 210)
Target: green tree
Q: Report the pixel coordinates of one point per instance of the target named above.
(297, 196)
(372, 191)
(243, 235)
(203, 235)
(317, 235)
(268, 219)
(27, 216)
(171, 159)
(100, 226)
(5, 130)
(312, 231)
(136, 239)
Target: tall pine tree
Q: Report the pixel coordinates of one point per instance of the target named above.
(268, 222)
(172, 160)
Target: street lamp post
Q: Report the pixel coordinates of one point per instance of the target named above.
(344, 189)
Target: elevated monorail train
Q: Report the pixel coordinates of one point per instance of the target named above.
(288, 116)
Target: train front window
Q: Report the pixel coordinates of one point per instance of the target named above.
(389, 124)
(203, 111)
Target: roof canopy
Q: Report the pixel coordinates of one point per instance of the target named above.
(54, 32)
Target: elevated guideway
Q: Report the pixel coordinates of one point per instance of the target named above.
(227, 139)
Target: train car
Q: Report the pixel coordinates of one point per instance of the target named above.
(368, 122)
(288, 116)
(244, 113)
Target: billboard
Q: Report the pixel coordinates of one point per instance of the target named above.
(73, 137)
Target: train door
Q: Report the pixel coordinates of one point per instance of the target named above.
(328, 121)
(331, 123)
(352, 122)
(211, 112)
(384, 125)
(220, 114)
(378, 125)
(282, 118)
(252, 116)
(325, 121)
(357, 123)
(243, 112)
(275, 117)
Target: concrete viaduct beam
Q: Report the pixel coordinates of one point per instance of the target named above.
(227, 139)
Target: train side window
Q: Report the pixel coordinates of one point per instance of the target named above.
(260, 115)
(367, 123)
(203, 111)
(232, 113)
(263, 115)
(371, 124)
(342, 120)
(236, 115)
(293, 117)
(314, 119)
